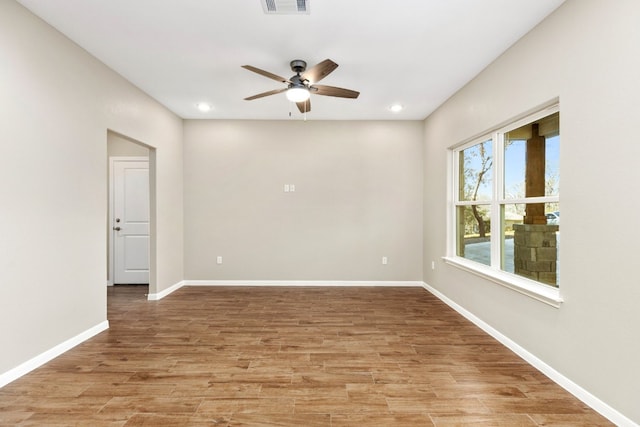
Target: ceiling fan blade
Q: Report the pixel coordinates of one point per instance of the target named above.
(263, 94)
(304, 106)
(266, 74)
(319, 71)
(334, 91)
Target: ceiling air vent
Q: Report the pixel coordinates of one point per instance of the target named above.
(285, 7)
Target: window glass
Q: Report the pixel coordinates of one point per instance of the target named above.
(531, 154)
(552, 168)
(531, 250)
(472, 242)
(515, 151)
(476, 169)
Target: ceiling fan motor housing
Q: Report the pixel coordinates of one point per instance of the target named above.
(298, 66)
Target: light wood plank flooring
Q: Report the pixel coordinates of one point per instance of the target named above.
(237, 356)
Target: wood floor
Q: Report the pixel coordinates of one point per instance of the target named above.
(307, 357)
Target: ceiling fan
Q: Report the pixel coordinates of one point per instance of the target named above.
(303, 83)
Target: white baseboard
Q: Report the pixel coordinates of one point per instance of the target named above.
(285, 283)
(164, 293)
(598, 405)
(50, 354)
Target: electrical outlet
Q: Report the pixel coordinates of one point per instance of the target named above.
(292, 188)
(286, 188)
(385, 260)
(219, 260)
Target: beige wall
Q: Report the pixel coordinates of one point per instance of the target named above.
(119, 146)
(57, 104)
(585, 54)
(358, 198)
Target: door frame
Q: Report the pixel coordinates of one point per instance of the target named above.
(111, 214)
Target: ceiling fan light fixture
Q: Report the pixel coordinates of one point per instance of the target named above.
(298, 94)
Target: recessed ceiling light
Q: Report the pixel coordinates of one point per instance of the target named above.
(203, 106)
(396, 108)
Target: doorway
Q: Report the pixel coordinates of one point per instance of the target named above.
(129, 205)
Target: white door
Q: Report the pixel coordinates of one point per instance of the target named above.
(130, 221)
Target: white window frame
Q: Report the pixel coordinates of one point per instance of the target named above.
(537, 290)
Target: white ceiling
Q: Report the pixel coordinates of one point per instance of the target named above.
(414, 52)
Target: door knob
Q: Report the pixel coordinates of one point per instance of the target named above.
(117, 228)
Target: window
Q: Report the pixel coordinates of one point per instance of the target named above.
(506, 202)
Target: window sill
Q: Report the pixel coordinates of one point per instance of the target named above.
(546, 294)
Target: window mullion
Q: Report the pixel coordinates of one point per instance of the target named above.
(474, 202)
(526, 200)
(498, 184)
(452, 194)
